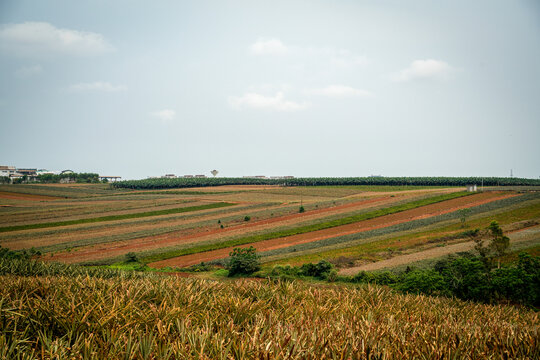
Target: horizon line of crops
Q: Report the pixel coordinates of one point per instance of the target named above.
(115, 217)
(526, 211)
(323, 181)
(304, 229)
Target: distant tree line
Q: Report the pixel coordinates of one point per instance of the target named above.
(325, 181)
(77, 177)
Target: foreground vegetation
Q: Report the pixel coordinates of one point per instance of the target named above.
(392, 181)
(81, 317)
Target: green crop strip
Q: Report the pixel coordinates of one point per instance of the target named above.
(115, 217)
(304, 229)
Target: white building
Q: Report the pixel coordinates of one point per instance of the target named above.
(471, 188)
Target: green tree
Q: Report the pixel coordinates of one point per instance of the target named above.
(243, 261)
(497, 247)
(499, 243)
(463, 215)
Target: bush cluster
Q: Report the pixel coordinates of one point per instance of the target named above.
(468, 278)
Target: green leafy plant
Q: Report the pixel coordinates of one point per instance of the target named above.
(243, 261)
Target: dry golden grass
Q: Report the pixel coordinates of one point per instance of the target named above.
(174, 318)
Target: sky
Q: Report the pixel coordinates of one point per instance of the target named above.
(303, 88)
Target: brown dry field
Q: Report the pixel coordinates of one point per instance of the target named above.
(99, 251)
(517, 236)
(379, 222)
(21, 196)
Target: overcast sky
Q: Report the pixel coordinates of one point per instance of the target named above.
(304, 88)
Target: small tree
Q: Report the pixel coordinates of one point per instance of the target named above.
(247, 218)
(499, 243)
(497, 246)
(243, 261)
(301, 209)
(214, 172)
(463, 215)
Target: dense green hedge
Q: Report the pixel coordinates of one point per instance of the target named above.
(325, 181)
(77, 177)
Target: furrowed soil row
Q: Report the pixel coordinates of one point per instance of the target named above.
(366, 225)
(204, 234)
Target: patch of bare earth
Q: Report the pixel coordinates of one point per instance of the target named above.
(30, 197)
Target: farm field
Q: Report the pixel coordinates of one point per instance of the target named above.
(352, 225)
(164, 317)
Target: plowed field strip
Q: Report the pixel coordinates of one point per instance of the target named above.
(130, 231)
(114, 217)
(176, 238)
(62, 212)
(374, 223)
(22, 196)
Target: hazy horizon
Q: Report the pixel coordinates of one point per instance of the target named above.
(302, 88)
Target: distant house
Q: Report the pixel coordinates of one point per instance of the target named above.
(7, 170)
(169, 176)
(471, 188)
(200, 176)
(188, 176)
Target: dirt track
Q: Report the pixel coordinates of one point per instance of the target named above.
(515, 237)
(379, 222)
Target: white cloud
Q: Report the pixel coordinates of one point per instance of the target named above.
(258, 101)
(97, 86)
(27, 71)
(41, 38)
(340, 91)
(425, 69)
(268, 47)
(165, 115)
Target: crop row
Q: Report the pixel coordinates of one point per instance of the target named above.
(367, 236)
(115, 217)
(325, 181)
(303, 229)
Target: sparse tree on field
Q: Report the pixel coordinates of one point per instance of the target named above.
(214, 172)
(497, 247)
(499, 243)
(463, 215)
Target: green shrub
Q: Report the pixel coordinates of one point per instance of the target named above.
(422, 282)
(243, 261)
(319, 270)
(247, 218)
(131, 257)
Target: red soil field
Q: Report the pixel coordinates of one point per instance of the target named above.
(154, 242)
(366, 225)
(21, 196)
